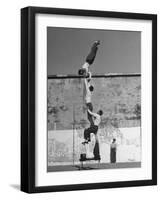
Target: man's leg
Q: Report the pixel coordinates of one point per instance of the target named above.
(89, 59)
(96, 151)
(91, 56)
(87, 134)
(88, 131)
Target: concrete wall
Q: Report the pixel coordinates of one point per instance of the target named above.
(120, 99)
(64, 146)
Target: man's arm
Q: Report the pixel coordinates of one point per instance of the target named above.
(93, 114)
(89, 76)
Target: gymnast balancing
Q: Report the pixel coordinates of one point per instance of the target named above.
(84, 71)
(94, 118)
(89, 59)
(93, 128)
(88, 98)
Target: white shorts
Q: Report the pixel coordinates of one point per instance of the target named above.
(86, 66)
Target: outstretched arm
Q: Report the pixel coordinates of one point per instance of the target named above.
(91, 113)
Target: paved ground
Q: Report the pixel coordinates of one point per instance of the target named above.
(94, 166)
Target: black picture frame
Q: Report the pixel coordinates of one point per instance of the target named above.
(28, 98)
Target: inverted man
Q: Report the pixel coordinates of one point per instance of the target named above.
(89, 59)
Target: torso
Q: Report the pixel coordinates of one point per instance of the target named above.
(113, 145)
(88, 97)
(97, 120)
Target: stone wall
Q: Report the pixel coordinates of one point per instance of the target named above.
(120, 99)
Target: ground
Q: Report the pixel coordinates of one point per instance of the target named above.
(94, 166)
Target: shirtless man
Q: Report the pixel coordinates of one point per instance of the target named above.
(88, 96)
(90, 59)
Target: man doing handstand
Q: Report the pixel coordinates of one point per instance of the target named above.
(90, 59)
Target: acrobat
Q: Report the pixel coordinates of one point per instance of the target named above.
(87, 134)
(84, 71)
(94, 118)
(87, 81)
(88, 98)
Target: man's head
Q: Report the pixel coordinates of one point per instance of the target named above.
(81, 72)
(100, 112)
(114, 140)
(91, 88)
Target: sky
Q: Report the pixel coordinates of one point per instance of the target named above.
(67, 48)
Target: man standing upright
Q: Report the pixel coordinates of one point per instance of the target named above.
(113, 148)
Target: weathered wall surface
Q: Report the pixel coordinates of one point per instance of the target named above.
(118, 97)
(64, 146)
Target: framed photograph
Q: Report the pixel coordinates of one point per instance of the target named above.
(88, 99)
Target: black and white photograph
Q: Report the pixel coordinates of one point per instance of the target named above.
(79, 100)
(93, 99)
(89, 91)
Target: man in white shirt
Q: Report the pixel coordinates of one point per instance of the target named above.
(94, 128)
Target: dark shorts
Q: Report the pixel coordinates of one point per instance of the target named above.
(93, 129)
(91, 56)
(89, 106)
(88, 131)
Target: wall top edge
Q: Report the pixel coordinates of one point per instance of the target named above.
(110, 75)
